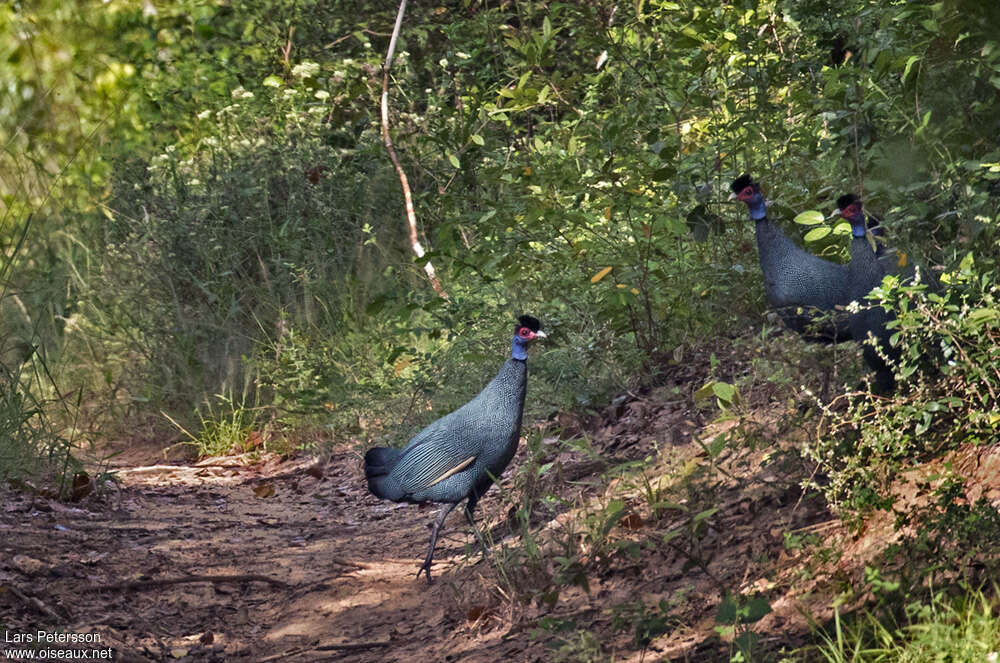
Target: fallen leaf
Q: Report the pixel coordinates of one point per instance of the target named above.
(264, 490)
(633, 521)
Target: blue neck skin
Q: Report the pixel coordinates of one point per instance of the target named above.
(518, 349)
(758, 210)
(859, 227)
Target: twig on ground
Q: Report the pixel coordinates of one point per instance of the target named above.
(163, 582)
(346, 646)
(34, 602)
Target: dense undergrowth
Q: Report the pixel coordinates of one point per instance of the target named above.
(201, 228)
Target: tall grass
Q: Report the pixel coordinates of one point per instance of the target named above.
(945, 628)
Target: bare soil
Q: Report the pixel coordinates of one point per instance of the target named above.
(292, 560)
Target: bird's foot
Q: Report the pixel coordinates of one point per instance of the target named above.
(426, 568)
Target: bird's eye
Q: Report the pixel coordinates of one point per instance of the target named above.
(525, 332)
(747, 191)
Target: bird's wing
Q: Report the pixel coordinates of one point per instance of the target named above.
(436, 453)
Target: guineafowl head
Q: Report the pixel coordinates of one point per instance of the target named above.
(747, 190)
(526, 330)
(851, 208)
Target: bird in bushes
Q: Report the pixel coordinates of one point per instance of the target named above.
(803, 288)
(865, 271)
(459, 456)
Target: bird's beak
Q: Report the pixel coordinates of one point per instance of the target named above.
(540, 334)
(732, 196)
(835, 214)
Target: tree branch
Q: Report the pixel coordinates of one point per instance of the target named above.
(411, 216)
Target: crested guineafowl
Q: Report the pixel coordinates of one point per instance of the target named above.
(864, 272)
(803, 288)
(459, 456)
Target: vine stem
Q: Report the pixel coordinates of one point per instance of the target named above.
(411, 217)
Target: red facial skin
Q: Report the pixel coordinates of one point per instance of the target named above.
(746, 194)
(851, 211)
(526, 334)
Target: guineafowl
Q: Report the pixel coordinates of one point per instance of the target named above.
(803, 288)
(459, 456)
(864, 272)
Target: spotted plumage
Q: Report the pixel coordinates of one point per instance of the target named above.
(864, 272)
(459, 456)
(804, 289)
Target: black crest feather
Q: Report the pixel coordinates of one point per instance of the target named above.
(742, 182)
(527, 321)
(847, 200)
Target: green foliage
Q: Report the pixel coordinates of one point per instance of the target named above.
(734, 617)
(567, 643)
(949, 374)
(945, 628)
(33, 445)
(645, 622)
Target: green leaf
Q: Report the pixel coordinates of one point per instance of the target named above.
(704, 515)
(454, 160)
(923, 123)
(477, 139)
(755, 610)
(724, 391)
(728, 611)
(982, 315)
(817, 234)
(809, 218)
(909, 63)
(705, 392)
(662, 174)
(717, 445)
(616, 511)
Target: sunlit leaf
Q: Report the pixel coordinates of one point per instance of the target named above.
(817, 234)
(809, 218)
(601, 274)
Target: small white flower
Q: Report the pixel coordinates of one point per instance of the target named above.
(289, 92)
(241, 93)
(204, 114)
(322, 95)
(305, 69)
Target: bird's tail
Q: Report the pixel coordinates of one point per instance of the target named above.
(379, 462)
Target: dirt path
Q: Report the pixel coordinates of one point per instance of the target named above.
(327, 572)
(342, 562)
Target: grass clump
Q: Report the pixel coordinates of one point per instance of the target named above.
(945, 628)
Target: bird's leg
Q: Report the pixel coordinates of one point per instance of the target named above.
(445, 510)
(470, 505)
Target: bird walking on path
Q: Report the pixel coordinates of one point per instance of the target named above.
(866, 271)
(803, 288)
(459, 456)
